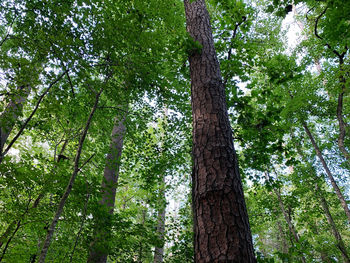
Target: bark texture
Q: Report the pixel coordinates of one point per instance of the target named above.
(221, 225)
(328, 172)
(99, 249)
(69, 187)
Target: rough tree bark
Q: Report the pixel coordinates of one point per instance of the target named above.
(98, 251)
(328, 172)
(69, 187)
(221, 225)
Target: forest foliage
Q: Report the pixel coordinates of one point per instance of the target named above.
(73, 71)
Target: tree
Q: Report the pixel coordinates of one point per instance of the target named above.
(221, 226)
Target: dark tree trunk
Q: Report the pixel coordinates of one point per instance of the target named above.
(221, 225)
(99, 247)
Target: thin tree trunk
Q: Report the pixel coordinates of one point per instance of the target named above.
(140, 255)
(11, 114)
(335, 232)
(159, 250)
(9, 240)
(286, 216)
(17, 221)
(64, 197)
(342, 124)
(9, 229)
(288, 220)
(98, 252)
(326, 211)
(82, 222)
(282, 234)
(329, 174)
(19, 133)
(221, 225)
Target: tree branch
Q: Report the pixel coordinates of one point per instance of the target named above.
(31, 115)
(70, 184)
(340, 56)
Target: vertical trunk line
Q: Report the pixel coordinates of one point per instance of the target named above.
(331, 222)
(329, 174)
(221, 225)
(342, 124)
(11, 114)
(97, 251)
(69, 187)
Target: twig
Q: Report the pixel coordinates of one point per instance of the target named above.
(88, 160)
(234, 34)
(71, 84)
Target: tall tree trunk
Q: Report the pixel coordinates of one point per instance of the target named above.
(335, 232)
(159, 250)
(286, 215)
(323, 254)
(325, 208)
(11, 114)
(221, 225)
(288, 220)
(98, 251)
(69, 187)
(140, 254)
(18, 221)
(328, 172)
(342, 124)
